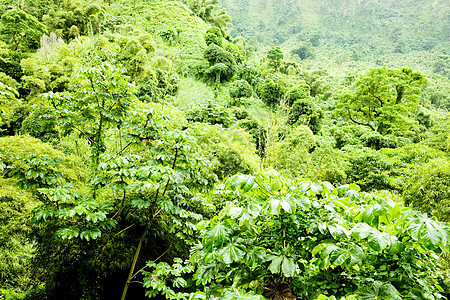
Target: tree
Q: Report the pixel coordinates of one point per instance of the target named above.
(134, 193)
(20, 30)
(222, 64)
(305, 51)
(210, 12)
(101, 100)
(306, 112)
(7, 97)
(69, 19)
(214, 36)
(383, 98)
(275, 57)
(300, 91)
(272, 90)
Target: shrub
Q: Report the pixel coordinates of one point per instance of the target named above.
(241, 89)
(304, 51)
(300, 91)
(231, 149)
(387, 168)
(38, 126)
(212, 114)
(304, 111)
(428, 190)
(272, 90)
(377, 141)
(214, 36)
(217, 57)
(257, 131)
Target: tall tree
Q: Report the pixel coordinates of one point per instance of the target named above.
(275, 57)
(20, 30)
(383, 98)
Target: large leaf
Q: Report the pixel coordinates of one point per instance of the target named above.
(302, 202)
(378, 241)
(285, 204)
(379, 291)
(347, 257)
(337, 230)
(233, 252)
(241, 182)
(361, 231)
(216, 236)
(428, 232)
(275, 265)
(289, 267)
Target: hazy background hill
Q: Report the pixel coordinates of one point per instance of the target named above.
(393, 32)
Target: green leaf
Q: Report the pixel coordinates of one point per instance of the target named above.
(379, 291)
(275, 206)
(289, 267)
(275, 265)
(337, 230)
(302, 202)
(197, 295)
(216, 236)
(329, 188)
(427, 232)
(361, 231)
(68, 233)
(179, 282)
(285, 205)
(91, 233)
(235, 212)
(316, 187)
(378, 241)
(354, 187)
(256, 255)
(232, 253)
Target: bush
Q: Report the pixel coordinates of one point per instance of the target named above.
(304, 111)
(257, 131)
(166, 85)
(216, 57)
(293, 153)
(304, 51)
(231, 149)
(348, 134)
(377, 141)
(428, 190)
(214, 36)
(387, 168)
(10, 63)
(38, 126)
(212, 114)
(241, 89)
(301, 91)
(272, 90)
(249, 72)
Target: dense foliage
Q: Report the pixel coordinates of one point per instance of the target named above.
(148, 150)
(279, 239)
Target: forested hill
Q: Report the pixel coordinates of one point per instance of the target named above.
(370, 30)
(146, 153)
(416, 24)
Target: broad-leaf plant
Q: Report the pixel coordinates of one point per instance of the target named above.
(281, 239)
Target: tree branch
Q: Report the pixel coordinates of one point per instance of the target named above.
(378, 98)
(359, 123)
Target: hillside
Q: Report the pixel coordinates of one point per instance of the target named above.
(159, 150)
(375, 32)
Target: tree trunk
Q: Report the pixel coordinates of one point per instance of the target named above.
(133, 265)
